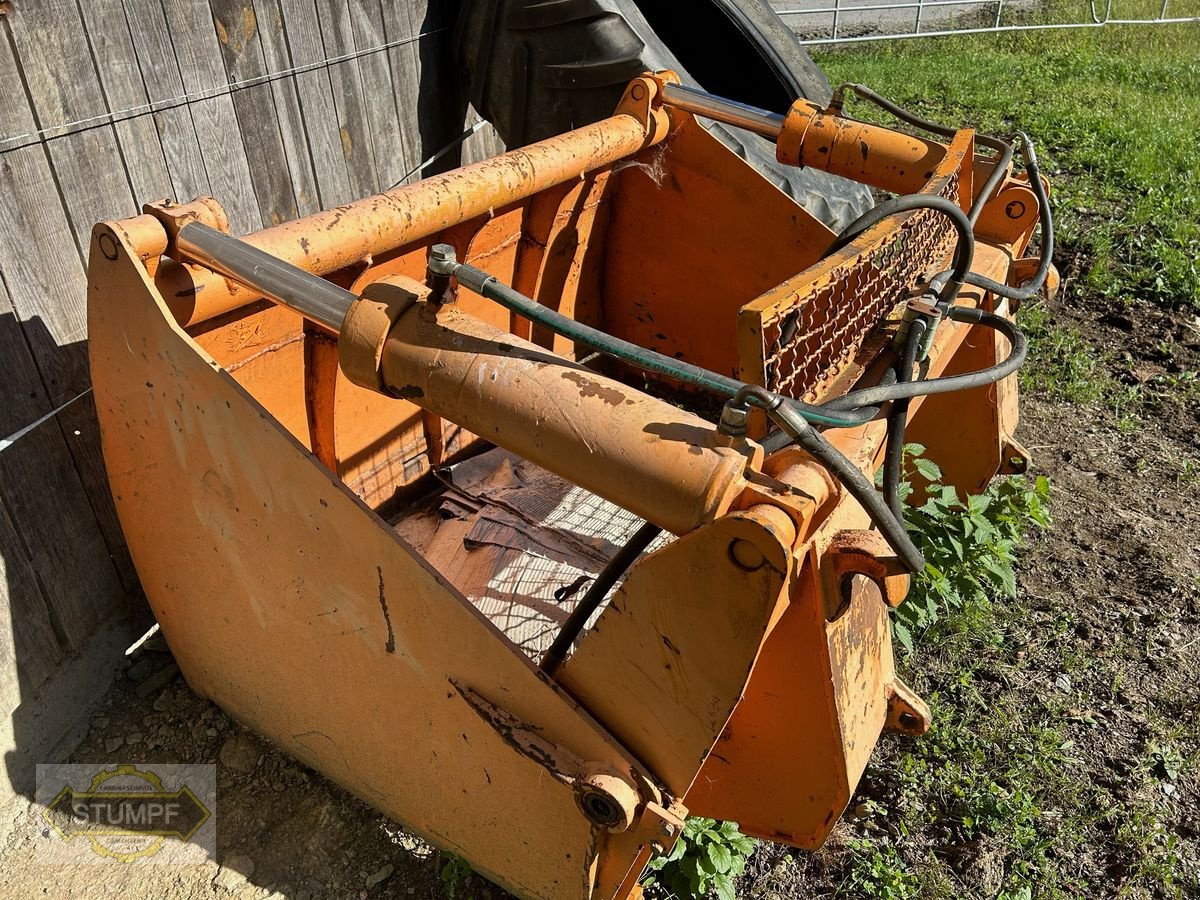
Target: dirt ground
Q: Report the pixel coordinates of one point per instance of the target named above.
(1114, 586)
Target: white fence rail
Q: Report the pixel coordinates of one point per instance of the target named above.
(851, 21)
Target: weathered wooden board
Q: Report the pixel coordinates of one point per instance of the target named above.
(164, 88)
(198, 51)
(57, 537)
(29, 650)
(337, 36)
(316, 101)
(406, 78)
(40, 264)
(483, 144)
(63, 88)
(379, 94)
(292, 129)
(241, 49)
(124, 89)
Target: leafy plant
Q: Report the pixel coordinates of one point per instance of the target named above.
(455, 876)
(878, 871)
(969, 544)
(706, 859)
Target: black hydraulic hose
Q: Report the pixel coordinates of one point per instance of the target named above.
(608, 576)
(860, 488)
(842, 469)
(872, 397)
(778, 439)
(648, 360)
(1046, 226)
(897, 421)
(964, 249)
(1003, 149)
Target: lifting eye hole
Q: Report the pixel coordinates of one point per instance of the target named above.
(600, 809)
(909, 721)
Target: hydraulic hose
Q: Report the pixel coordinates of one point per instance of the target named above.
(964, 248)
(608, 576)
(871, 397)
(897, 421)
(1003, 149)
(640, 357)
(1046, 226)
(890, 525)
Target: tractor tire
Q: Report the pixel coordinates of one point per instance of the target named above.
(537, 68)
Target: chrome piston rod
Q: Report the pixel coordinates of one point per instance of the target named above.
(741, 115)
(309, 295)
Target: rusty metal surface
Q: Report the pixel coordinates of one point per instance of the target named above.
(744, 671)
(663, 463)
(287, 602)
(797, 337)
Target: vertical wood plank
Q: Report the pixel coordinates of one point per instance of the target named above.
(123, 89)
(430, 106)
(406, 79)
(292, 127)
(29, 650)
(63, 86)
(164, 85)
(379, 92)
(59, 537)
(483, 144)
(337, 39)
(316, 102)
(198, 52)
(40, 265)
(237, 31)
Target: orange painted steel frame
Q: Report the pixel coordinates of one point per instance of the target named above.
(744, 671)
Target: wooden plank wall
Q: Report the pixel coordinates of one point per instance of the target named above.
(276, 107)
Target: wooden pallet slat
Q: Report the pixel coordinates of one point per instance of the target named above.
(241, 49)
(198, 51)
(337, 39)
(299, 18)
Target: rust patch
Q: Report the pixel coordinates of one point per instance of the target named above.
(589, 388)
(390, 646)
(407, 392)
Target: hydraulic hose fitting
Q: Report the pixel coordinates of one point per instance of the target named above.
(734, 419)
(439, 270)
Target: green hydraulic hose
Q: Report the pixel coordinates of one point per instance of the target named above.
(485, 285)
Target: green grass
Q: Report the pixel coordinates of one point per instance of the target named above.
(1115, 114)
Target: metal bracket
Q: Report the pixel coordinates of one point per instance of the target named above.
(606, 799)
(861, 552)
(906, 712)
(1014, 459)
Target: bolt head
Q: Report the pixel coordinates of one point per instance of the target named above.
(733, 420)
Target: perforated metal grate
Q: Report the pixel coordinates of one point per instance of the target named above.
(807, 344)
